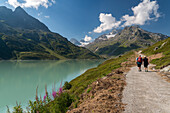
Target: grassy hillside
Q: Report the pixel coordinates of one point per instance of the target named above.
(162, 47)
(80, 83)
(24, 37)
(39, 45)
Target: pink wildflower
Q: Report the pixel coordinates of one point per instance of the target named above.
(60, 90)
(54, 94)
(45, 97)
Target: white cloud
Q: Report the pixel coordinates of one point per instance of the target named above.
(53, 1)
(87, 38)
(14, 3)
(47, 16)
(31, 3)
(145, 11)
(83, 44)
(107, 22)
(39, 14)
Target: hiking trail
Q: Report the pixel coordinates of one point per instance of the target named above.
(146, 92)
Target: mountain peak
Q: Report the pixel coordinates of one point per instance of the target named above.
(20, 10)
(131, 37)
(135, 26)
(132, 27)
(19, 18)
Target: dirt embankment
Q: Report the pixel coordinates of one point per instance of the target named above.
(165, 75)
(105, 94)
(159, 55)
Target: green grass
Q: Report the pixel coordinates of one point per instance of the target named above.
(52, 52)
(42, 45)
(165, 60)
(80, 83)
(35, 56)
(89, 89)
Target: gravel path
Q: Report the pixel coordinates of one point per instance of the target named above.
(146, 92)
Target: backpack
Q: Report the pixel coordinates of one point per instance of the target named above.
(140, 60)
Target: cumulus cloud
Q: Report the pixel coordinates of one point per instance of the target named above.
(87, 38)
(31, 3)
(144, 11)
(107, 22)
(47, 16)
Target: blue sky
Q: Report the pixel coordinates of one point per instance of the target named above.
(76, 18)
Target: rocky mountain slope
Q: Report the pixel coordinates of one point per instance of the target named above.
(24, 37)
(129, 38)
(20, 19)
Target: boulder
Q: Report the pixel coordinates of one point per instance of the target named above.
(165, 69)
(155, 48)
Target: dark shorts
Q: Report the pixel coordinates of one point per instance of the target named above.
(146, 65)
(139, 65)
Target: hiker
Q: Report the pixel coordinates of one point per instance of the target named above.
(139, 62)
(146, 63)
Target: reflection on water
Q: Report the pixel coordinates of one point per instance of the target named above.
(19, 79)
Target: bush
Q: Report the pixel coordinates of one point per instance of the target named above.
(67, 86)
(64, 101)
(60, 104)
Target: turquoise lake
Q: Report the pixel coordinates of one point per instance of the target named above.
(19, 79)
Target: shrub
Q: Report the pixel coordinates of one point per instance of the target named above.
(18, 109)
(64, 100)
(61, 103)
(67, 86)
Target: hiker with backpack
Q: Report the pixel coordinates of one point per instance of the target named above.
(139, 62)
(146, 63)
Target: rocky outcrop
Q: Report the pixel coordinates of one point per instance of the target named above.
(165, 69)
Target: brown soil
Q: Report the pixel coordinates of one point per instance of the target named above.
(159, 55)
(105, 94)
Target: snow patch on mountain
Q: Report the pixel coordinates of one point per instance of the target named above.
(110, 36)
